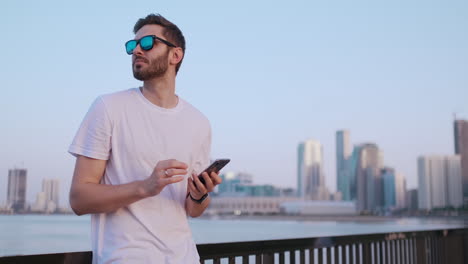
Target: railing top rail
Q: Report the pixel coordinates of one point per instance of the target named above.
(252, 247)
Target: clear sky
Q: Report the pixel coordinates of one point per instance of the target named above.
(268, 75)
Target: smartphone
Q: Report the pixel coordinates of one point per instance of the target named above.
(216, 166)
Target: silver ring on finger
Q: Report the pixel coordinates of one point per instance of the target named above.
(165, 172)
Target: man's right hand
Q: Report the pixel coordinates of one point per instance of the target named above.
(163, 174)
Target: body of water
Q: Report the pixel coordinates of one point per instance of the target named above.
(41, 234)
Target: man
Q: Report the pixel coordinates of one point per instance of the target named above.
(134, 151)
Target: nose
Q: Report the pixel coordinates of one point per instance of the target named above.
(138, 50)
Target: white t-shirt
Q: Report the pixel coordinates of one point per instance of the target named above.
(133, 134)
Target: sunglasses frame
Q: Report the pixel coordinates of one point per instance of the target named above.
(152, 44)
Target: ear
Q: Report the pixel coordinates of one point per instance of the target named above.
(177, 55)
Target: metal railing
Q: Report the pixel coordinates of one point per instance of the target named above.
(420, 247)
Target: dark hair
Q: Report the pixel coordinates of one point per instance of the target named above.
(171, 32)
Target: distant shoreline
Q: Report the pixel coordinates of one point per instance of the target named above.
(334, 218)
(283, 217)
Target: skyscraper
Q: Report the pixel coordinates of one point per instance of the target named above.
(389, 187)
(368, 177)
(343, 173)
(400, 190)
(16, 193)
(461, 148)
(310, 177)
(439, 181)
(454, 181)
(51, 188)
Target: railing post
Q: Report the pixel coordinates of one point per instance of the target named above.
(268, 258)
(465, 246)
(366, 253)
(421, 251)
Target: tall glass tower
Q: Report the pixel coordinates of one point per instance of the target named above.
(343, 172)
(310, 177)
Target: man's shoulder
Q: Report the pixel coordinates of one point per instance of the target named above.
(119, 96)
(195, 112)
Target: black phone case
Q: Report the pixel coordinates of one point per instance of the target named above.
(216, 166)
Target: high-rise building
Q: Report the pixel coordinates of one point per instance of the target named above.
(51, 188)
(394, 189)
(461, 148)
(16, 193)
(368, 161)
(310, 177)
(389, 187)
(454, 181)
(439, 181)
(343, 173)
(412, 200)
(400, 190)
(353, 164)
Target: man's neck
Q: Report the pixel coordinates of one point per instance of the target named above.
(161, 92)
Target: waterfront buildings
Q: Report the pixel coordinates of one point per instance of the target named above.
(461, 149)
(310, 176)
(16, 191)
(440, 182)
(343, 173)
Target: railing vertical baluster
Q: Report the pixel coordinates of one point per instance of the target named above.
(245, 259)
(375, 252)
(258, 258)
(281, 257)
(216, 260)
(391, 252)
(441, 249)
(358, 253)
(345, 254)
(408, 251)
(302, 256)
(232, 260)
(404, 244)
(397, 252)
(329, 255)
(336, 255)
(403, 251)
(292, 257)
(435, 250)
(320, 256)
(351, 254)
(311, 255)
(382, 251)
(366, 253)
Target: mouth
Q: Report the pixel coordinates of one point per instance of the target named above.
(139, 60)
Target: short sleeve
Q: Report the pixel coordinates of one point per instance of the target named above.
(93, 138)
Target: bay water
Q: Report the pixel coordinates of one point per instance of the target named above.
(43, 234)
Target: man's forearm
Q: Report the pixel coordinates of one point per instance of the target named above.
(195, 209)
(91, 198)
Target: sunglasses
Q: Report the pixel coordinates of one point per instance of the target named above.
(146, 43)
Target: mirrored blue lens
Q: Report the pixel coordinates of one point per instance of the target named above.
(130, 46)
(146, 43)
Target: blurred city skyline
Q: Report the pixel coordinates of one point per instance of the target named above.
(267, 75)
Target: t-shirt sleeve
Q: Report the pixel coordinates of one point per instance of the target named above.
(93, 138)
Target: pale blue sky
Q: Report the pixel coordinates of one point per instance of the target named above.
(268, 75)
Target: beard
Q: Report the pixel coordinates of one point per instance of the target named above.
(157, 67)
